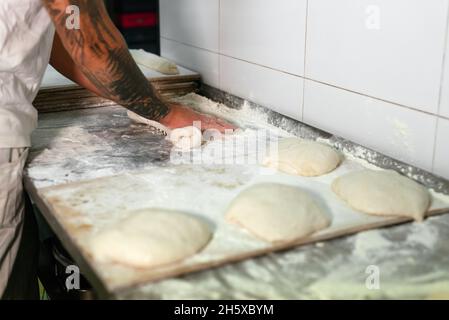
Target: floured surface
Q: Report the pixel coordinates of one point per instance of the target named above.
(86, 144)
(85, 208)
(412, 259)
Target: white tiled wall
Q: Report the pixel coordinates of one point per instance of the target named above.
(442, 149)
(194, 22)
(202, 61)
(279, 91)
(386, 49)
(373, 71)
(399, 132)
(266, 32)
(444, 104)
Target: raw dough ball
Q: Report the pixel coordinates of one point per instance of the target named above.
(277, 213)
(154, 62)
(304, 158)
(182, 138)
(186, 138)
(150, 238)
(384, 193)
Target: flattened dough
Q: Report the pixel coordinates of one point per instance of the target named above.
(154, 62)
(186, 138)
(182, 138)
(150, 238)
(383, 193)
(304, 158)
(277, 213)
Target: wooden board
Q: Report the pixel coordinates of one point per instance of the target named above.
(66, 98)
(59, 94)
(80, 209)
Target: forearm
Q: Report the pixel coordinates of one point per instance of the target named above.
(63, 63)
(100, 52)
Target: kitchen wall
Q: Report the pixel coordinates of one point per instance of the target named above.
(372, 71)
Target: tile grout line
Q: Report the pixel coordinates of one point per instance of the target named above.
(372, 97)
(443, 118)
(219, 44)
(232, 57)
(310, 79)
(190, 45)
(440, 96)
(305, 61)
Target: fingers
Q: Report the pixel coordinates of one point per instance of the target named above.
(225, 124)
(185, 116)
(217, 126)
(208, 123)
(228, 126)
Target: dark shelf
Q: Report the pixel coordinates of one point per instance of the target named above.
(138, 21)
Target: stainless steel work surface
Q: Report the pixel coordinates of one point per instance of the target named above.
(410, 261)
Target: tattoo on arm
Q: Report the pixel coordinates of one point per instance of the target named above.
(100, 51)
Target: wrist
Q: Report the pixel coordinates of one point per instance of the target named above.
(167, 117)
(150, 109)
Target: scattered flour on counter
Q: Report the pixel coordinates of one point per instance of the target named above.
(374, 248)
(423, 234)
(401, 134)
(331, 288)
(358, 155)
(66, 144)
(369, 244)
(372, 244)
(245, 117)
(439, 197)
(66, 137)
(62, 144)
(206, 105)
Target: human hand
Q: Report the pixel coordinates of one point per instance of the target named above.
(181, 116)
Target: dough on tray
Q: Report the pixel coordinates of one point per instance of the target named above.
(384, 193)
(150, 238)
(304, 158)
(277, 213)
(154, 62)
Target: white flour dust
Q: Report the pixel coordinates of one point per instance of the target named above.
(343, 278)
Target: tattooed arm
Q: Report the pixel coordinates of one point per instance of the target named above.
(97, 57)
(99, 51)
(61, 61)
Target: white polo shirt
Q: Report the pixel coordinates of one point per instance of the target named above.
(26, 38)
